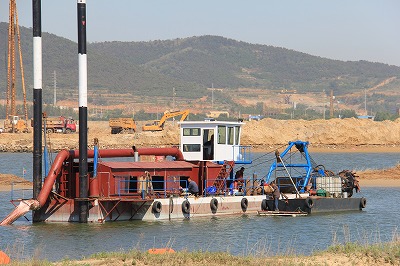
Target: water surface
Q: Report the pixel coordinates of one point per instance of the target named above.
(239, 235)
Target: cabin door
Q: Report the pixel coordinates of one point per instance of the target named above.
(208, 144)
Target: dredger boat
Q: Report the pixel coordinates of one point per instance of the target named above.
(129, 188)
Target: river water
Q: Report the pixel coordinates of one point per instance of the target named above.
(239, 235)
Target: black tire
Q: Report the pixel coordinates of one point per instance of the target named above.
(363, 202)
(214, 204)
(186, 206)
(264, 205)
(49, 130)
(157, 207)
(68, 131)
(309, 203)
(171, 205)
(244, 203)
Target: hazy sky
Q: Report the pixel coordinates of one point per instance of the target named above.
(336, 29)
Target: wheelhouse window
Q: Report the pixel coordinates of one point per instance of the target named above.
(191, 147)
(191, 131)
(237, 134)
(221, 135)
(230, 135)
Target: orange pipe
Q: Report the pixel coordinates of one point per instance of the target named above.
(55, 170)
(175, 152)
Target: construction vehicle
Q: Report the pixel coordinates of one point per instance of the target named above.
(158, 125)
(122, 125)
(59, 124)
(14, 123)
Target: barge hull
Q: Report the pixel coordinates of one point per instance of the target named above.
(319, 204)
(106, 210)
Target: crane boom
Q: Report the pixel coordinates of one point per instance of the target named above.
(13, 123)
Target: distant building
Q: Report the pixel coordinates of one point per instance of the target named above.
(255, 117)
(216, 114)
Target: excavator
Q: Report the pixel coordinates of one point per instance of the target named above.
(158, 125)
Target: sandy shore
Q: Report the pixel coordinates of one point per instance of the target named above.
(380, 183)
(7, 187)
(338, 149)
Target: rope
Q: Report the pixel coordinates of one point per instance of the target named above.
(268, 153)
(264, 155)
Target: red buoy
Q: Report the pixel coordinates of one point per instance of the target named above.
(4, 258)
(161, 250)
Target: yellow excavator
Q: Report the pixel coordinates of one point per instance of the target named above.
(158, 125)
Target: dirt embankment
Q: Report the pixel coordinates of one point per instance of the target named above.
(334, 134)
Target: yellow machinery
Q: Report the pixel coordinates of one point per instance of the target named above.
(13, 122)
(122, 125)
(158, 125)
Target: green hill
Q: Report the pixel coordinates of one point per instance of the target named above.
(191, 65)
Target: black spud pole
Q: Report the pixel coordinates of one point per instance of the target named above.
(83, 166)
(37, 101)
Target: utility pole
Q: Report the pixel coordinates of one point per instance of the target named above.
(212, 96)
(173, 98)
(173, 105)
(331, 105)
(55, 87)
(365, 102)
(324, 100)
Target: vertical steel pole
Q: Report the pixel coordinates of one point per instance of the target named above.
(83, 166)
(37, 102)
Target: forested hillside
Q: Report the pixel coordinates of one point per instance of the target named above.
(191, 65)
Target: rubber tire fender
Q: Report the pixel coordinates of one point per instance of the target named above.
(264, 205)
(171, 205)
(186, 206)
(363, 202)
(244, 203)
(157, 207)
(214, 204)
(309, 203)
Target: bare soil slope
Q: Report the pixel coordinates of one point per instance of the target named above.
(265, 134)
(337, 132)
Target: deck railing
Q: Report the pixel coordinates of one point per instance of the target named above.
(231, 189)
(145, 188)
(17, 194)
